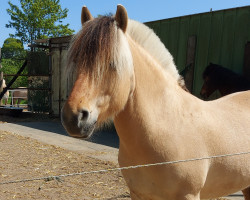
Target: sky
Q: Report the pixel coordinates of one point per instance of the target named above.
(140, 10)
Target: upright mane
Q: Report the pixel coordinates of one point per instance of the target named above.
(146, 37)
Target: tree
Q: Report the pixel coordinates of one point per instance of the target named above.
(38, 19)
(13, 55)
(13, 48)
(11, 66)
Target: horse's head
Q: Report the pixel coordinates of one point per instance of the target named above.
(208, 88)
(101, 57)
(210, 81)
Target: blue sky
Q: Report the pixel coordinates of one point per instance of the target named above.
(140, 10)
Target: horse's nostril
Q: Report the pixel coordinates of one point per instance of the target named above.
(84, 115)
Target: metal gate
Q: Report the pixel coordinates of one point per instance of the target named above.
(38, 87)
(39, 83)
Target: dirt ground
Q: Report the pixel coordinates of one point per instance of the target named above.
(25, 158)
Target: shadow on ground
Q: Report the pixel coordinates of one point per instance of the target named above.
(48, 123)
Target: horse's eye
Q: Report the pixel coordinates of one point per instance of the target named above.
(112, 65)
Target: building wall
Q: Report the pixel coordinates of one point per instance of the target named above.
(221, 37)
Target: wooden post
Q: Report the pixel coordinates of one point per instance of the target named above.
(190, 61)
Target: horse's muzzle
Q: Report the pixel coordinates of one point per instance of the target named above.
(80, 124)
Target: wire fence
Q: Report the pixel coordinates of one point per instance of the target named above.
(59, 177)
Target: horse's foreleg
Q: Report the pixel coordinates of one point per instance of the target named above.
(14, 101)
(246, 193)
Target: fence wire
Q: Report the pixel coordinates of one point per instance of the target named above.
(58, 178)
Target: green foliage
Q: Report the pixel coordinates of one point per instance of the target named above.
(13, 48)
(13, 55)
(38, 19)
(11, 66)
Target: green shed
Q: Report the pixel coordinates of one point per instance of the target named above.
(221, 37)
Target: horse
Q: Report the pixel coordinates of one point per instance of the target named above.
(220, 78)
(5, 97)
(18, 95)
(119, 78)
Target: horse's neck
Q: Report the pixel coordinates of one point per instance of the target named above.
(156, 94)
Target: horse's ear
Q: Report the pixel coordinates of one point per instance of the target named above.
(121, 17)
(86, 16)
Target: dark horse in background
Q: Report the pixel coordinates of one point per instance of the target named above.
(220, 78)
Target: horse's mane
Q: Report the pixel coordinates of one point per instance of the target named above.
(146, 37)
(99, 39)
(96, 44)
(220, 75)
(93, 39)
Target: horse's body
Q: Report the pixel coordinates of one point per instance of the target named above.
(156, 120)
(5, 97)
(18, 95)
(226, 81)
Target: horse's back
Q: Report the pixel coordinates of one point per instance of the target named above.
(234, 110)
(240, 99)
(232, 118)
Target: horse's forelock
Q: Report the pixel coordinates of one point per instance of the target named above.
(92, 47)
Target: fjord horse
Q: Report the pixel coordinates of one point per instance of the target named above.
(120, 78)
(220, 78)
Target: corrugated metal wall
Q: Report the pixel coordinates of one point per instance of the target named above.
(221, 38)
